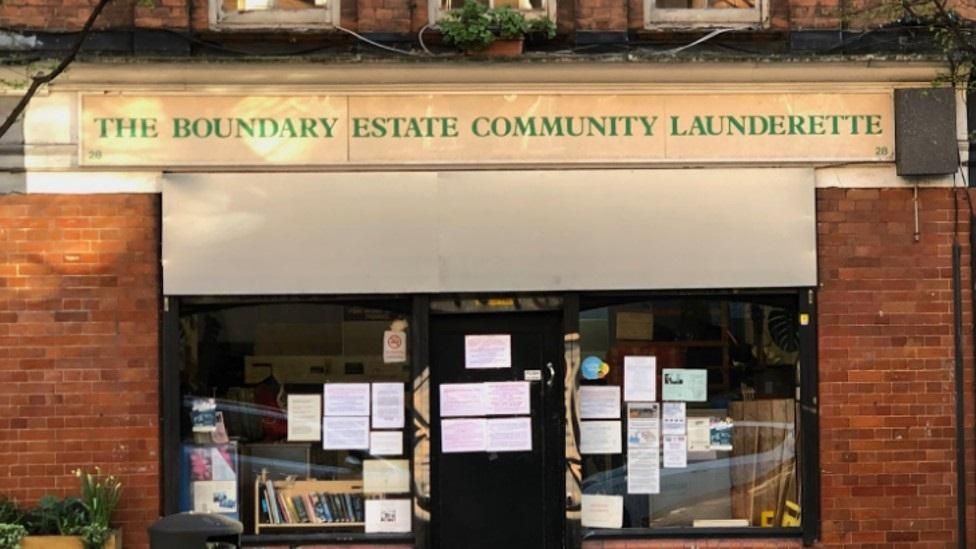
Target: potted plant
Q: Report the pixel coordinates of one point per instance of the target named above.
(68, 523)
(477, 29)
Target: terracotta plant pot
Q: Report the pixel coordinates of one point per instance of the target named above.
(66, 542)
(501, 48)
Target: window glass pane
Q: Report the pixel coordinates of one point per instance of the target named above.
(705, 4)
(523, 5)
(231, 6)
(260, 441)
(717, 445)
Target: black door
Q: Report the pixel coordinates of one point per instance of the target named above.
(501, 500)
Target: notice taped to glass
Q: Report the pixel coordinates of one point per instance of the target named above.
(488, 351)
(643, 450)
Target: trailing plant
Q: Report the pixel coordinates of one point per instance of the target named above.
(11, 535)
(475, 26)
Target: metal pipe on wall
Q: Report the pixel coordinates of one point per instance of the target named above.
(960, 408)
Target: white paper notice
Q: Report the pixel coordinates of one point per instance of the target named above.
(698, 435)
(304, 417)
(507, 398)
(386, 443)
(394, 346)
(673, 420)
(598, 402)
(640, 378)
(388, 405)
(600, 437)
(346, 399)
(643, 436)
(643, 472)
(214, 496)
(509, 434)
(488, 351)
(463, 435)
(345, 433)
(675, 451)
(685, 385)
(643, 425)
(463, 399)
(602, 511)
(386, 476)
(387, 515)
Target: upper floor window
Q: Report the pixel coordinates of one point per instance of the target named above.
(529, 8)
(269, 14)
(711, 13)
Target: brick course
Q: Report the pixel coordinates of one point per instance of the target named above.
(78, 348)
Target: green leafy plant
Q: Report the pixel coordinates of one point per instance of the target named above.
(10, 512)
(475, 26)
(11, 535)
(54, 516)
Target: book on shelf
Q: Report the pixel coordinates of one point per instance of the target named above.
(299, 504)
(286, 516)
(272, 502)
(310, 509)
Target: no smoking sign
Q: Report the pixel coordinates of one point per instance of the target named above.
(394, 346)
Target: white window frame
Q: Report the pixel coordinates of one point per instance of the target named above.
(435, 13)
(684, 18)
(317, 18)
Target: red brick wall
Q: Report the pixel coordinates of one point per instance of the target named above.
(78, 348)
(886, 368)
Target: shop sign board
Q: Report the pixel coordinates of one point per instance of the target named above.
(483, 129)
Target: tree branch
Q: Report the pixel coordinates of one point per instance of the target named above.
(38, 81)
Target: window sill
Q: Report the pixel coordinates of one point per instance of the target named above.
(250, 540)
(689, 532)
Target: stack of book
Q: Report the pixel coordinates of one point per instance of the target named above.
(279, 507)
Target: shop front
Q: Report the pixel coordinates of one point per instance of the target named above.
(492, 314)
(504, 288)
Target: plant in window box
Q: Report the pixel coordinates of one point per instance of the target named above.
(76, 523)
(477, 29)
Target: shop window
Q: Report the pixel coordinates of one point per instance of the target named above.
(530, 8)
(705, 13)
(688, 414)
(272, 14)
(295, 417)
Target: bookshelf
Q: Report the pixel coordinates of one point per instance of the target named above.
(334, 504)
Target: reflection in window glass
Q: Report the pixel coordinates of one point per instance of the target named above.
(721, 437)
(262, 445)
(522, 5)
(231, 6)
(705, 4)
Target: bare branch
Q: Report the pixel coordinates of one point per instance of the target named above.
(38, 81)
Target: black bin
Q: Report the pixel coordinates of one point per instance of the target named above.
(195, 531)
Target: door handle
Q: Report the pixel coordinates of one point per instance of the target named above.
(552, 373)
